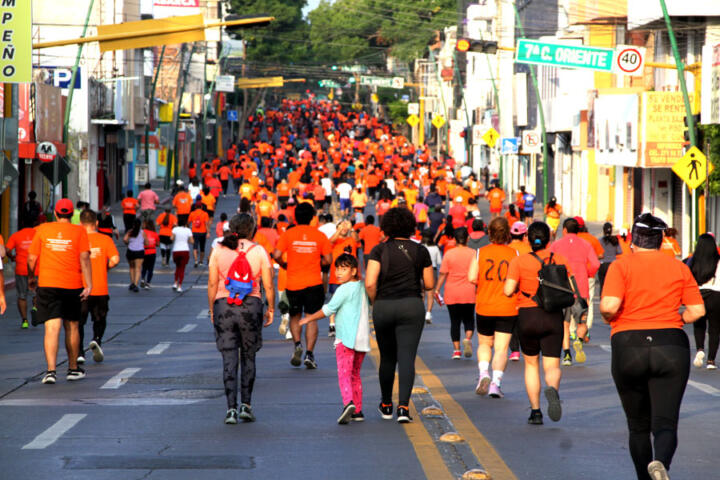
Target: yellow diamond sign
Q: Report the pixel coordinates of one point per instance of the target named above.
(438, 121)
(412, 120)
(491, 137)
(692, 168)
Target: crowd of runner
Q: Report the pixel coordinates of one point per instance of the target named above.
(340, 216)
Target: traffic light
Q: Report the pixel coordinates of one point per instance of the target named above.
(476, 46)
(234, 30)
(686, 131)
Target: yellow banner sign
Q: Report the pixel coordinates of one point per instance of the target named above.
(663, 127)
(116, 32)
(16, 41)
(260, 82)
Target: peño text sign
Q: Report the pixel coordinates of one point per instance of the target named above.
(15, 41)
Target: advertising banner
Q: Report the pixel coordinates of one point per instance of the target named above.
(663, 116)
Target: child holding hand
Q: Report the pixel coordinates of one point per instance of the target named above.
(352, 336)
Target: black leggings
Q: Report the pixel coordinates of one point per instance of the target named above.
(651, 369)
(398, 326)
(148, 267)
(461, 313)
(711, 322)
(230, 380)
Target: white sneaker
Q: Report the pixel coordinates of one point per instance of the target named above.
(81, 359)
(98, 354)
(699, 359)
(428, 318)
(284, 321)
(175, 286)
(288, 335)
(179, 289)
(711, 366)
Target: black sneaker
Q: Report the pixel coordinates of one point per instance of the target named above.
(296, 359)
(231, 418)
(403, 415)
(385, 410)
(346, 414)
(554, 410)
(358, 417)
(536, 417)
(246, 413)
(34, 320)
(75, 374)
(310, 362)
(50, 377)
(97, 352)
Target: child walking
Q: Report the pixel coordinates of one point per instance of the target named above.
(352, 335)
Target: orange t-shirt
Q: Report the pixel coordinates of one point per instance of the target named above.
(198, 220)
(493, 266)
(58, 246)
(496, 197)
(520, 246)
(670, 247)
(594, 242)
(342, 245)
(304, 245)
(652, 287)
(370, 235)
(182, 203)
(524, 270)
(129, 205)
(21, 241)
(166, 230)
(209, 201)
(283, 190)
(224, 172)
(456, 263)
(102, 248)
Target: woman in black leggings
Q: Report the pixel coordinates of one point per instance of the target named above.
(704, 265)
(650, 351)
(396, 273)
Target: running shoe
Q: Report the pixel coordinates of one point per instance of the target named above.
(554, 408)
(196, 264)
(81, 359)
(456, 355)
(567, 360)
(142, 283)
(231, 418)
(403, 415)
(284, 321)
(711, 365)
(75, 374)
(130, 287)
(246, 413)
(428, 318)
(495, 391)
(331, 331)
(573, 336)
(536, 417)
(657, 470)
(515, 356)
(146, 286)
(175, 286)
(346, 414)
(385, 410)
(24, 323)
(98, 354)
(579, 352)
(34, 317)
(179, 289)
(483, 383)
(358, 417)
(467, 348)
(310, 362)
(296, 359)
(699, 358)
(50, 377)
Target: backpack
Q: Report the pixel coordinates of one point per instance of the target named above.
(554, 292)
(239, 281)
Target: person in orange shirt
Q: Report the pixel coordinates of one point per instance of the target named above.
(538, 330)
(60, 257)
(103, 256)
(307, 249)
(182, 203)
(265, 208)
(369, 236)
(512, 215)
(358, 199)
(519, 243)
(670, 245)
(496, 197)
(129, 206)
(165, 222)
(237, 174)
(20, 242)
(496, 313)
(553, 210)
(199, 222)
(209, 200)
(224, 172)
(600, 251)
(246, 191)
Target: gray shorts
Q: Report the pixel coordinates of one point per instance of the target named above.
(576, 311)
(21, 286)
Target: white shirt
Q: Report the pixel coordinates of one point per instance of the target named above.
(328, 229)
(194, 191)
(435, 256)
(390, 184)
(343, 190)
(326, 183)
(182, 234)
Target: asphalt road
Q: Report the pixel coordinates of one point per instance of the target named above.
(155, 408)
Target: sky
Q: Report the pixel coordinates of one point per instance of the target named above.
(311, 5)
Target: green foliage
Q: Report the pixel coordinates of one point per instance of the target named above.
(397, 111)
(711, 134)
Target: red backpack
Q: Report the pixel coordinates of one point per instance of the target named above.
(239, 281)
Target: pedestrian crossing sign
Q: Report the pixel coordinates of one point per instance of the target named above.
(693, 168)
(412, 120)
(438, 121)
(491, 137)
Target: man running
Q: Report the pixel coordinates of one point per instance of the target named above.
(130, 206)
(20, 242)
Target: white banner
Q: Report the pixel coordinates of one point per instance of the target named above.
(225, 83)
(710, 96)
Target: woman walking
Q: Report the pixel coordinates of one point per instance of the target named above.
(611, 249)
(396, 273)
(182, 238)
(238, 322)
(152, 239)
(166, 222)
(650, 352)
(135, 241)
(436, 259)
(705, 268)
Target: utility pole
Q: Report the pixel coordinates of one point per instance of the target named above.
(152, 105)
(173, 160)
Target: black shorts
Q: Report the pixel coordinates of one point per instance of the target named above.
(540, 331)
(308, 300)
(58, 303)
(524, 214)
(199, 239)
(488, 325)
(183, 218)
(135, 255)
(97, 306)
(319, 204)
(165, 240)
(283, 199)
(577, 312)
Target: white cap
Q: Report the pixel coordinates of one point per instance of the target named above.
(458, 199)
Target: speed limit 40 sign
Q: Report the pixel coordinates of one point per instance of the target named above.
(629, 60)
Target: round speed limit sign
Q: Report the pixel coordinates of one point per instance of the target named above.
(629, 60)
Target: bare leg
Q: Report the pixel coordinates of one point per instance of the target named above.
(532, 380)
(484, 350)
(311, 335)
(22, 308)
(72, 342)
(553, 373)
(500, 358)
(296, 328)
(566, 336)
(52, 335)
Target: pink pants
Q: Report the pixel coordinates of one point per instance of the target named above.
(349, 362)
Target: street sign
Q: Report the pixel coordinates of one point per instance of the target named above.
(328, 84)
(413, 108)
(564, 55)
(142, 176)
(509, 145)
(438, 121)
(16, 42)
(531, 142)
(691, 168)
(374, 98)
(412, 120)
(386, 82)
(477, 134)
(629, 60)
(232, 115)
(491, 137)
(46, 151)
(225, 83)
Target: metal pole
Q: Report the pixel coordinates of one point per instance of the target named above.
(177, 114)
(152, 105)
(467, 117)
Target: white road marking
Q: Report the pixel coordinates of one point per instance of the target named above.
(112, 402)
(188, 328)
(607, 348)
(705, 388)
(50, 436)
(203, 313)
(159, 348)
(120, 379)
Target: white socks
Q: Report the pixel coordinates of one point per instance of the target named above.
(483, 366)
(497, 377)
